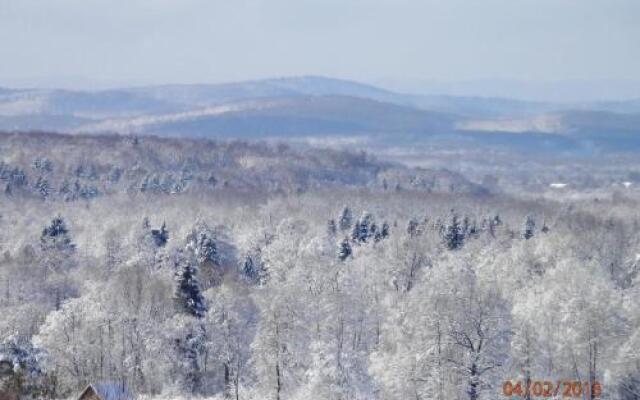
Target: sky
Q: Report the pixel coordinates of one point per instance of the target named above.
(102, 43)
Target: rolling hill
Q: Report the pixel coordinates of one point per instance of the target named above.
(317, 108)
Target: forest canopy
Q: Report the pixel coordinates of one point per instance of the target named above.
(183, 267)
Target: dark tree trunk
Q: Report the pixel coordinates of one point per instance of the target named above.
(473, 382)
(278, 383)
(227, 380)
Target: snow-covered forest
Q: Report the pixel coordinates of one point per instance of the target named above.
(190, 268)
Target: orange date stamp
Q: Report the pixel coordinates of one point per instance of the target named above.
(551, 389)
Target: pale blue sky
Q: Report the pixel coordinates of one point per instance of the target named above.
(133, 42)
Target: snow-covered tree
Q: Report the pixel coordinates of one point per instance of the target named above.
(413, 228)
(344, 250)
(364, 228)
(27, 376)
(43, 187)
(56, 238)
(188, 297)
(208, 254)
(57, 258)
(253, 269)
(346, 219)
(529, 228)
(385, 231)
(479, 326)
(401, 317)
(454, 234)
(160, 236)
(230, 327)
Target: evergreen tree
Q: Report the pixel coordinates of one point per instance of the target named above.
(19, 351)
(56, 237)
(187, 295)
(373, 230)
(151, 245)
(214, 253)
(355, 232)
(57, 251)
(253, 270)
(413, 229)
(26, 376)
(346, 219)
(384, 232)
(344, 250)
(454, 236)
(363, 229)
(529, 227)
(42, 187)
(160, 236)
(493, 224)
(202, 240)
(189, 350)
(249, 270)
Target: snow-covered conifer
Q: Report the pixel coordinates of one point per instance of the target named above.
(344, 250)
(529, 227)
(160, 236)
(56, 237)
(187, 295)
(253, 269)
(346, 219)
(413, 227)
(454, 236)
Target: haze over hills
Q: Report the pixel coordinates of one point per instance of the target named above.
(546, 90)
(316, 107)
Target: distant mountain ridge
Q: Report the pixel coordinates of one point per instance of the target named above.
(314, 107)
(285, 117)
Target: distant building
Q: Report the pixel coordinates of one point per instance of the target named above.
(558, 185)
(106, 391)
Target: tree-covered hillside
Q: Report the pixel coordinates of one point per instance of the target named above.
(262, 272)
(66, 167)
